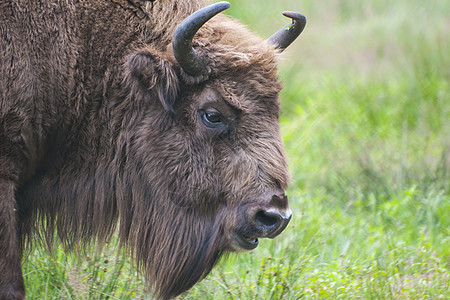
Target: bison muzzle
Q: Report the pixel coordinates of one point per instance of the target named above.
(156, 120)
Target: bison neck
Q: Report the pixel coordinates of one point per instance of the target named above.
(173, 246)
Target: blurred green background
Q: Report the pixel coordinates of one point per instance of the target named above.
(366, 125)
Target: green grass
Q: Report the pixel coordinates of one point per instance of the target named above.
(366, 124)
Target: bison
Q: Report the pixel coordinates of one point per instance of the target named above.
(151, 119)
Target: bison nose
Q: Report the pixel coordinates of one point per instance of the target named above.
(274, 218)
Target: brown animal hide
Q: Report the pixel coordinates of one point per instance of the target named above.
(101, 129)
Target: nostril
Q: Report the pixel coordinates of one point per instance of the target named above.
(267, 219)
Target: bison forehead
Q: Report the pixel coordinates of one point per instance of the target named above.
(230, 49)
(252, 95)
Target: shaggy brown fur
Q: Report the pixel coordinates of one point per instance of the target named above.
(100, 126)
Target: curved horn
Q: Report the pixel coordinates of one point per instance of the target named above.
(186, 56)
(285, 36)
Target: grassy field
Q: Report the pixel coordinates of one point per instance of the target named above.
(366, 124)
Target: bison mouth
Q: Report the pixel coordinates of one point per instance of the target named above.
(245, 242)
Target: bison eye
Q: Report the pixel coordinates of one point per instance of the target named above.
(212, 119)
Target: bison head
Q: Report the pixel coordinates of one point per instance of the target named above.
(204, 143)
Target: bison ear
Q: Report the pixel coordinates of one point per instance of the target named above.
(149, 76)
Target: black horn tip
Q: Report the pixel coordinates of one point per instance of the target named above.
(295, 16)
(223, 4)
(285, 36)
